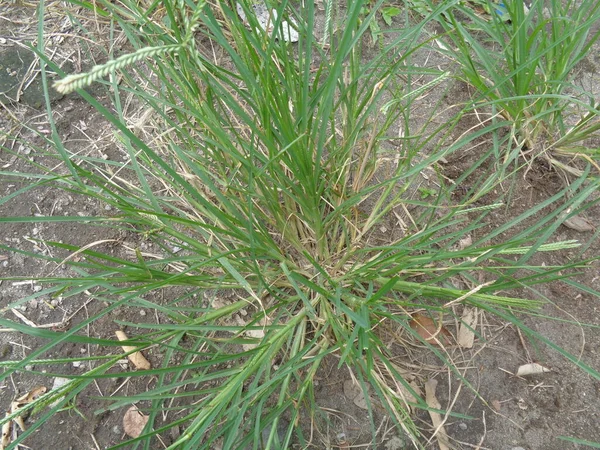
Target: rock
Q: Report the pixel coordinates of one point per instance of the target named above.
(395, 443)
(57, 384)
(16, 61)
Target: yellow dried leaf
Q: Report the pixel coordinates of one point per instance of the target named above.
(436, 418)
(432, 332)
(466, 337)
(136, 358)
(134, 422)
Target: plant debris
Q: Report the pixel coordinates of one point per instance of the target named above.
(466, 336)
(436, 418)
(531, 369)
(432, 332)
(134, 422)
(579, 223)
(7, 436)
(136, 358)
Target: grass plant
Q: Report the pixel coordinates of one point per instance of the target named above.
(525, 62)
(270, 173)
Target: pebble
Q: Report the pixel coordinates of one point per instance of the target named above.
(58, 382)
(142, 312)
(116, 429)
(4, 263)
(35, 231)
(77, 364)
(37, 288)
(108, 207)
(462, 426)
(29, 367)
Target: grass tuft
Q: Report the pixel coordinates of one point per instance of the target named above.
(280, 183)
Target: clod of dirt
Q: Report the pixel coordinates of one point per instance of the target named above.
(579, 223)
(395, 443)
(496, 405)
(134, 422)
(355, 393)
(5, 350)
(18, 81)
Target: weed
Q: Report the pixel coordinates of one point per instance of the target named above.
(278, 169)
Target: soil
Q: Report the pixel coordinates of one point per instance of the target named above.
(497, 410)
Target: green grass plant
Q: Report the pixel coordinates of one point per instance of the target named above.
(525, 62)
(269, 178)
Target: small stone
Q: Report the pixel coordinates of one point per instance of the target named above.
(77, 364)
(82, 350)
(243, 312)
(116, 429)
(175, 433)
(29, 367)
(37, 288)
(142, 312)
(35, 231)
(54, 302)
(462, 426)
(108, 207)
(58, 383)
(395, 443)
(4, 263)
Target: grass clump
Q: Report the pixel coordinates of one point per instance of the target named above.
(524, 61)
(271, 176)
